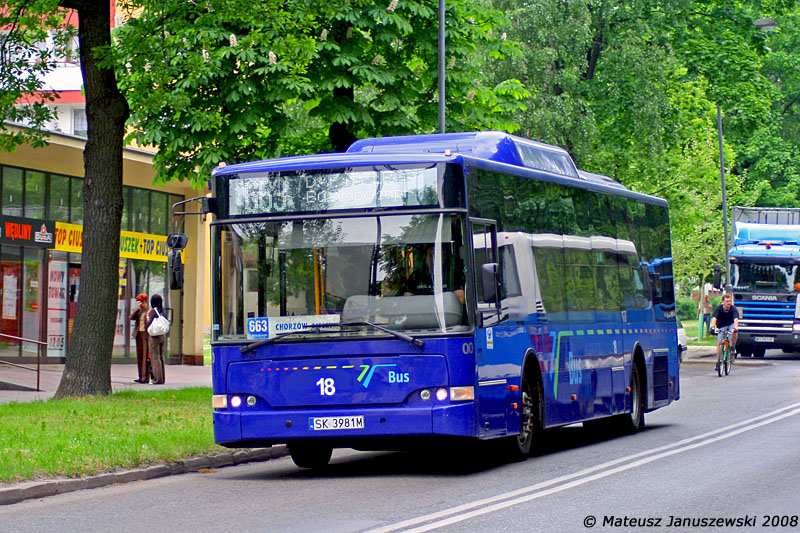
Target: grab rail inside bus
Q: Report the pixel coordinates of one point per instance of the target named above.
(38, 357)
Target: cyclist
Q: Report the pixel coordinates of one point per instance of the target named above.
(725, 318)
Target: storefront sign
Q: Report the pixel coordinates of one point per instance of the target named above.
(132, 245)
(28, 232)
(57, 309)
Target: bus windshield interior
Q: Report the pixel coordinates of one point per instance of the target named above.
(766, 277)
(404, 272)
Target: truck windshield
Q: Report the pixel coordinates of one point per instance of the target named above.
(404, 272)
(761, 277)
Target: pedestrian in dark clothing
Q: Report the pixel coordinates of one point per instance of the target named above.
(158, 343)
(142, 339)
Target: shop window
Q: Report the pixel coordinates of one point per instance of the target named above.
(126, 202)
(34, 194)
(31, 300)
(59, 198)
(76, 202)
(172, 201)
(140, 209)
(12, 191)
(10, 322)
(158, 213)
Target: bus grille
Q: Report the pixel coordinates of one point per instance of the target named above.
(660, 378)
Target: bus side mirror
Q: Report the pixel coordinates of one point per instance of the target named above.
(175, 269)
(209, 205)
(489, 282)
(177, 241)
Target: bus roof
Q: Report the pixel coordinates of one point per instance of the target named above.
(494, 146)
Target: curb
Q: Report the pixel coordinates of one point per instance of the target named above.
(28, 490)
(711, 359)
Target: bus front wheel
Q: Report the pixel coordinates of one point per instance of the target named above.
(519, 446)
(310, 454)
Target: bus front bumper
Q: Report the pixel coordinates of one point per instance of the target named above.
(237, 428)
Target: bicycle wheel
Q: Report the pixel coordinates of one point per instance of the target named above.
(726, 358)
(727, 362)
(720, 361)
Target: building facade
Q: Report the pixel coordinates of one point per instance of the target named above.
(41, 228)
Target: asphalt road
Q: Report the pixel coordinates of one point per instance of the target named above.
(727, 450)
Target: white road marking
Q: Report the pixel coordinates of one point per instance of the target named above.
(545, 488)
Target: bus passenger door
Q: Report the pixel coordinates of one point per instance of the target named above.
(491, 386)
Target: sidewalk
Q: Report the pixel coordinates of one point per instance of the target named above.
(19, 385)
(708, 355)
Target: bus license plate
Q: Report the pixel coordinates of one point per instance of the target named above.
(764, 339)
(336, 422)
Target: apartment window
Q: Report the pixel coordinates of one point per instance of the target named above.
(79, 124)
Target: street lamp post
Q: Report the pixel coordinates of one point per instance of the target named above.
(441, 66)
(724, 198)
(762, 24)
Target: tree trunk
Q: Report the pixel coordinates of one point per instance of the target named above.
(88, 364)
(339, 133)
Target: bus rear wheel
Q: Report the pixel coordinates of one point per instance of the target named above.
(634, 421)
(310, 454)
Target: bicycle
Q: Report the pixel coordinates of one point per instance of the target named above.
(725, 358)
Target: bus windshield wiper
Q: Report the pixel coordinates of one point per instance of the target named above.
(398, 334)
(314, 329)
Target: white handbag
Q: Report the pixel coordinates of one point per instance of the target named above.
(159, 326)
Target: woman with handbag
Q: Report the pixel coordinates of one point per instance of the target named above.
(158, 337)
(140, 334)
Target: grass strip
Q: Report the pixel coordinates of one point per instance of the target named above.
(691, 331)
(85, 436)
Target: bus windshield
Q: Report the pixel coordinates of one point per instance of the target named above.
(765, 277)
(404, 272)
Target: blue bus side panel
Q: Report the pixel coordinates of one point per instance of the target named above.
(591, 362)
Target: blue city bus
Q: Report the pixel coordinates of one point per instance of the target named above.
(434, 287)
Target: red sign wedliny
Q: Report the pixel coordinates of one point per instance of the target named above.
(27, 232)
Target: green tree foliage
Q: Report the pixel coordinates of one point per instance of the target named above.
(630, 89)
(226, 80)
(25, 58)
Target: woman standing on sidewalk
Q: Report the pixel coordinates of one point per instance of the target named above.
(142, 338)
(158, 343)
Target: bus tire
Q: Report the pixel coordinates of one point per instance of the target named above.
(634, 420)
(520, 446)
(759, 351)
(310, 454)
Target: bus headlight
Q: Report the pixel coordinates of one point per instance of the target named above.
(796, 327)
(441, 394)
(236, 401)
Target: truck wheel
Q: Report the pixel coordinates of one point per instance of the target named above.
(744, 351)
